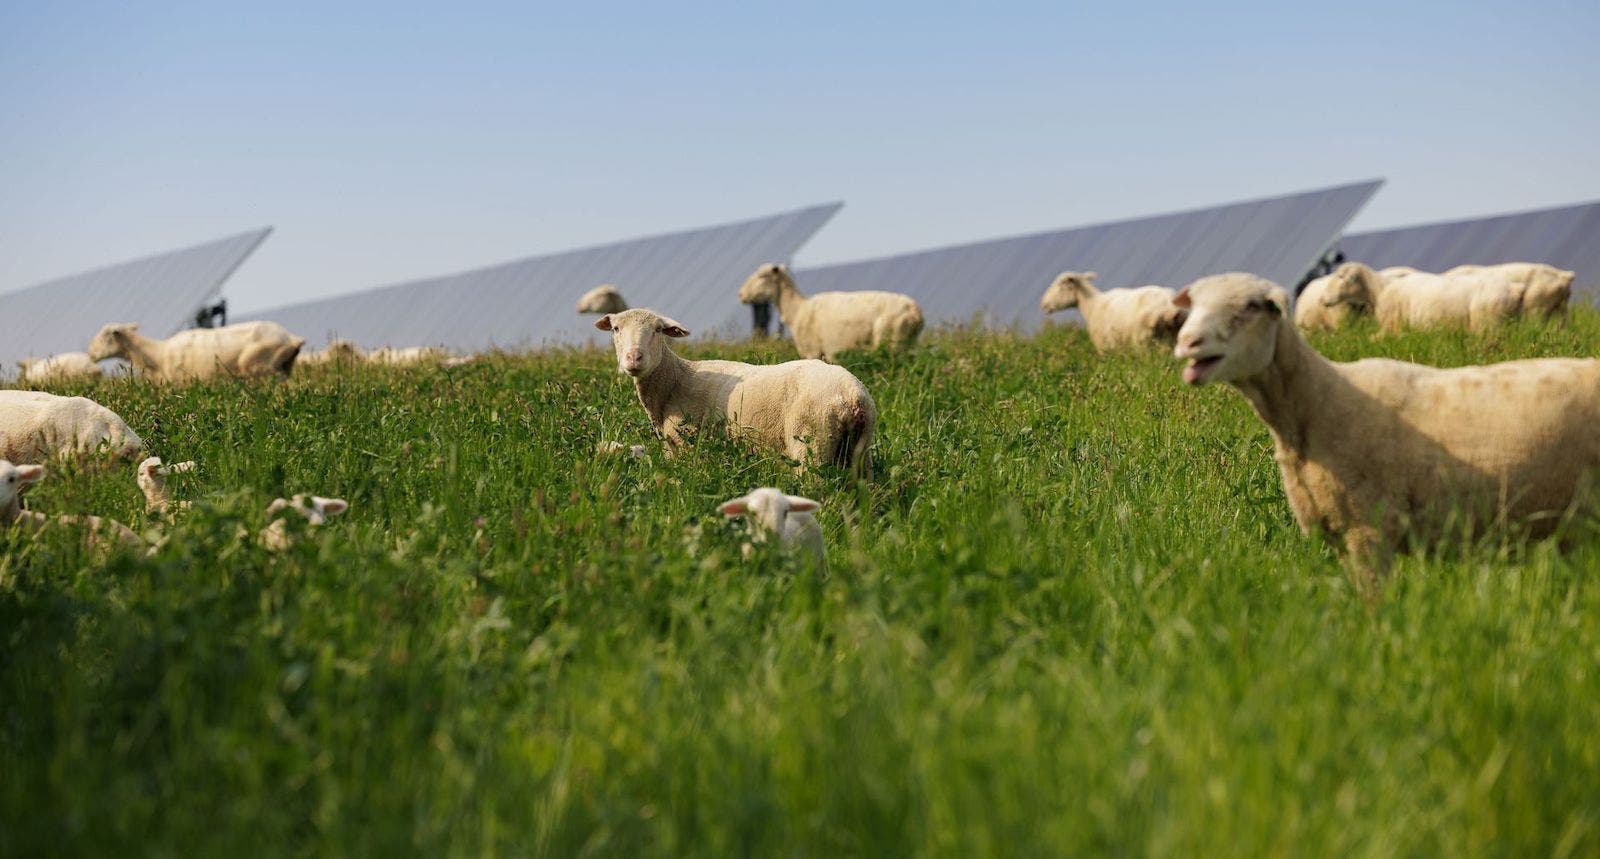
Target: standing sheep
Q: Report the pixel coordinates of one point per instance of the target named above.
(1117, 318)
(787, 517)
(829, 323)
(245, 349)
(808, 410)
(602, 299)
(1545, 289)
(36, 426)
(1421, 300)
(67, 365)
(1376, 451)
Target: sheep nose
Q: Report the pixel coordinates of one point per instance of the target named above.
(1190, 343)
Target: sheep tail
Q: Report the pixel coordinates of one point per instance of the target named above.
(852, 449)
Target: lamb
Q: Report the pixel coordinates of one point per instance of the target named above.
(1376, 451)
(67, 365)
(36, 426)
(1314, 312)
(100, 532)
(829, 323)
(1545, 289)
(1116, 318)
(245, 349)
(602, 299)
(1423, 300)
(806, 409)
(151, 476)
(788, 517)
(313, 508)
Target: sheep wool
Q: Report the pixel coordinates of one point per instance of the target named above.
(36, 426)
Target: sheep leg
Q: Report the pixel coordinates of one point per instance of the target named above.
(1367, 559)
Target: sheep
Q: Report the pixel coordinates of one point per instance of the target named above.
(1375, 451)
(408, 356)
(602, 299)
(1314, 312)
(313, 508)
(617, 448)
(245, 349)
(100, 532)
(1423, 300)
(336, 352)
(1545, 288)
(56, 368)
(36, 426)
(806, 409)
(829, 323)
(151, 476)
(789, 517)
(1116, 318)
(1395, 271)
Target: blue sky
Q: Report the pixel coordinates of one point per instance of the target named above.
(393, 140)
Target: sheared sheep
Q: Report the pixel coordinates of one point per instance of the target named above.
(313, 508)
(56, 368)
(1116, 318)
(36, 426)
(1375, 451)
(98, 529)
(1422, 300)
(788, 517)
(1545, 289)
(829, 323)
(806, 409)
(602, 299)
(245, 349)
(1314, 312)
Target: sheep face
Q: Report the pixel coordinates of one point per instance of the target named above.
(108, 342)
(1350, 286)
(1232, 330)
(1064, 290)
(639, 336)
(769, 507)
(763, 286)
(314, 508)
(15, 478)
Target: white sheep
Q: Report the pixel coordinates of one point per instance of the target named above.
(1395, 271)
(602, 299)
(788, 517)
(1545, 289)
(100, 532)
(1314, 311)
(151, 476)
(56, 368)
(245, 349)
(806, 409)
(1116, 318)
(408, 356)
(617, 448)
(37, 426)
(341, 352)
(1376, 451)
(313, 508)
(828, 323)
(1421, 300)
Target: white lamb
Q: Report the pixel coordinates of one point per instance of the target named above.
(1376, 451)
(246, 349)
(100, 532)
(151, 476)
(37, 426)
(828, 323)
(789, 517)
(57, 368)
(808, 410)
(602, 299)
(1545, 289)
(313, 508)
(1313, 311)
(1422, 300)
(1116, 318)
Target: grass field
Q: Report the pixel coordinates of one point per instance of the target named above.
(1071, 614)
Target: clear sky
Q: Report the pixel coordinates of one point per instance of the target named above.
(387, 141)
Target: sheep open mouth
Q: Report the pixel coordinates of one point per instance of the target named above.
(1196, 371)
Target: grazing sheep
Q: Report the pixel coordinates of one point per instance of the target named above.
(1375, 451)
(1545, 289)
(151, 476)
(246, 349)
(786, 516)
(808, 410)
(67, 365)
(100, 532)
(829, 323)
(1313, 310)
(602, 299)
(313, 508)
(1422, 300)
(36, 426)
(1116, 318)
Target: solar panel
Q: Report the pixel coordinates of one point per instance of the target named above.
(1567, 237)
(1001, 280)
(160, 292)
(692, 276)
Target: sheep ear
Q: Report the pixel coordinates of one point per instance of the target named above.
(672, 328)
(1182, 299)
(330, 506)
(1089, 276)
(1277, 300)
(799, 504)
(30, 473)
(735, 507)
(603, 323)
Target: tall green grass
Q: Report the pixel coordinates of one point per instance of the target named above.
(1070, 614)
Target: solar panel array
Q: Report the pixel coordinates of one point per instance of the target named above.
(999, 282)
(1567, 237)
(692, 276)
(160, 292)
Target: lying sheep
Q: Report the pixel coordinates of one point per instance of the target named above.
(1313, 311)
(1375, 451)
(409, 356)
(336, 352)
(313, 508)
(789, 517)
(1116, 318)
(245, 349)
(829, 323)
(1422, 300)
(57, 368)
(808, 410)
(100, 532)
(1545, 289)
(602, 299)
(36, 426)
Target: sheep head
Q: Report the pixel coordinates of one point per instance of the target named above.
(314, 508)
(15, 478)
(769, 507)
(1232, 330)
(763, 286)
(1353, 285)
(110, 341)
(1065, 290)
(639, 336)
(602, 299)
